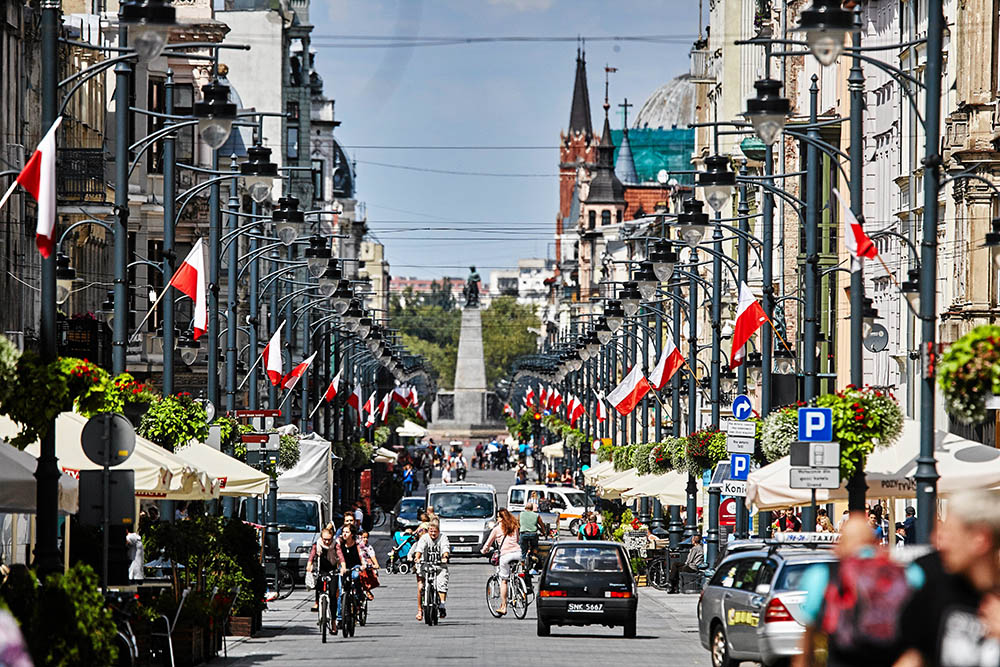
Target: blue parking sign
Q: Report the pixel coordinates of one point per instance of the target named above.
(739, 466)
(816, 424)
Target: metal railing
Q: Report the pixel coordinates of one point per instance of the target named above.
(80, 177)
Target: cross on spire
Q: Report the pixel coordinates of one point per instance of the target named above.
(626, 106)
(607, 71)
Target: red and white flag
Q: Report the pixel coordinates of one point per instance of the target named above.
(555, 400)
(292, 378)
(529, 396)
(670, 361)
(401, 396)
(749, 316)
(383, 407)
(272, 357)
(414, 398)
(577, 411)
(190, 279)
(543, 396)
(370, 409)
(354, 400)
(602, 409)
(331, 391)
(570, 405)
(627, 395)
(507, 410)
(422, 413)
(858, 244)
(39, 178)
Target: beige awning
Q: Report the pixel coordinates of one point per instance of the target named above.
(233, 477)
(593, 473)
(553, 451)
(669, 488)
(612, 488)
(158, 473)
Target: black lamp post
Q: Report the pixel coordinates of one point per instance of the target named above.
(148, 23)
(718, 181)
(768, 111)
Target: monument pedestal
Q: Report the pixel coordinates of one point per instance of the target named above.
(467, 414)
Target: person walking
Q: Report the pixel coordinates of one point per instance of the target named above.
(408, 480)
(505, 536)
(446, 472)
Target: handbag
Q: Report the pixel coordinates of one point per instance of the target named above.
(495, 554)
(369, 578)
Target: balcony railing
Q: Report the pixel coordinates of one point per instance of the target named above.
(700, 69)
(81, 175)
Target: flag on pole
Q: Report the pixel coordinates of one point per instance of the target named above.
(529, 396)
(543, 396)
(859, 245)
(272, 358)
(39, 178)
(670, 361)
(555, 400)
(507, 410)
(383, 407)
(354, 400)
(570, 405)
(401, 396)
(421, 413)
(292, 378)
(370, 409)
(749, 316)
(627, 395)
(190, 279)
(331, 391)
(578, 410)
(414, 398)
(602, 409)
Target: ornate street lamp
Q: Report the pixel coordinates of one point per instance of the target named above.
(189, 349)
(287, 219)
(630, 298)
(603, 331)
(317, 256)
(663, 258)
(65, 276)
(769, 111)
(614, 315)
(718, 180)
(341, 299)
(352, 316)
(215, 114)
(645, 280)
(148, 23)
(868, 316)
(825, 24)
(784, 362)
(259, 173)
(911, 288)
(692, 224)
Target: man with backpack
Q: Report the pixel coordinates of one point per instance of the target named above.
(857, 602)
(590, 530)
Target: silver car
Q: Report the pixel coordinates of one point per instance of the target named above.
(752, 607)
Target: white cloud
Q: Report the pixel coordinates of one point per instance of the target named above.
(524, 5)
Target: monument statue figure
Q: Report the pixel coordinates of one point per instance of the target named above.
(471, 290)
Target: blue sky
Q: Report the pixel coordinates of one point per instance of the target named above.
(489, 94)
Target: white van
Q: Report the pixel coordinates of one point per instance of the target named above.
(568, 502)
(467, 513)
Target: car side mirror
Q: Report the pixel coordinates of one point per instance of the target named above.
(763, 589)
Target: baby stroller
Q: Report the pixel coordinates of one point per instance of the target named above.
(397, 562)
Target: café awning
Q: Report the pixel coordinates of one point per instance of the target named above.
(18, 492)
(233, 477)
(669, 488)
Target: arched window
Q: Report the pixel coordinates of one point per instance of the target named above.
(619, 216)
(593, 219)
(605, 218)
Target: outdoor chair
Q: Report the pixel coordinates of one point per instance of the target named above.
(168, 635)
(224, 619)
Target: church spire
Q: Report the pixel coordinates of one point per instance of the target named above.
(625, 166)
(579, 113)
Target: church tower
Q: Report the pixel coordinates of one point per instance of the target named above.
(577, 149)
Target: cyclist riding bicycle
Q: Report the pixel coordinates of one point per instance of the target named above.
(369, 575)
(505, 534)
(432, 544)
(530, 526)
(589, 529)
(323, 559)
(351, 561)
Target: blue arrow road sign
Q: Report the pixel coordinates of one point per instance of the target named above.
(739, 466)
(816, 424)
(742, 408)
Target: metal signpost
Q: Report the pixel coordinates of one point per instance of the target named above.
(815, 458)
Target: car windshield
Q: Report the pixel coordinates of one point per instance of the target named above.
(298, 515)
(463, 504)
(410, 505)
(790, 577)
(575, 498)
(586, 559)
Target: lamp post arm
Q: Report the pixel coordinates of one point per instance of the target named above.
(148, 141)
(256, 254)
(901, 237)
(191, 192)
(144, 262)
(797, 204)
(275, 275)
(78, 223)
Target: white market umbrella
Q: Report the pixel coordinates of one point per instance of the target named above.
(670, 488)
(961, 463)
(411, 430)
(233, 477)
(591, 474)
(18, 487)
(553, 451)
(612, 488)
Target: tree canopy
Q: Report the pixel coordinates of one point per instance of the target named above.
(507, 335)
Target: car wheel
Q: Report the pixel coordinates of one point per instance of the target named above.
(720, 648)
(544, 629)
(629, 628)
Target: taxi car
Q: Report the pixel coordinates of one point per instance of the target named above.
(587, 583)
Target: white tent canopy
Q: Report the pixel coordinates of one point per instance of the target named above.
(612, 488)
(553, 451)
(233, 477)
(17, 484)
(593, 473)
(383, 455)
(158, 473)
(411, 430)
(962, 464)
(670, 488)
(313, 472)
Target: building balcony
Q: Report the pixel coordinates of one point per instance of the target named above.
(80, 177)
(701, 70)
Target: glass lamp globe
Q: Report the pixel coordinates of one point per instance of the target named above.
(826, 45)
(364, 326)
(630, 305)
(605, 335)
(692, 235)
(783, 365)
(287, 233)
(148, 39)
(215, 130)
(769, 126)
(614, 323)
(647, 288)
(259, 187)
(189, 351)
(717, 196)
(317, 266)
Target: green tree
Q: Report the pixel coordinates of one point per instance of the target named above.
(431, 330)
(506, 335)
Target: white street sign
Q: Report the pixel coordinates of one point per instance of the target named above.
(742, 429)
(814, 478)
(738, 445)
(732, 487)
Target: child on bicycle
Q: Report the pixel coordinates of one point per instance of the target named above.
(505, 534)
(369, 565)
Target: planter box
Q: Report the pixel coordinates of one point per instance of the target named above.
(189, 646)
(241, 626)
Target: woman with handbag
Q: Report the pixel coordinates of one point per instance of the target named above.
(508, 551)
(369, 563)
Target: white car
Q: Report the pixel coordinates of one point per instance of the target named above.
(568, 502)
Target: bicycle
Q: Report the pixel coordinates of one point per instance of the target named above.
(326, 619)
(122, 609)
(351, 602)
(431, 603)
(658, 572)
(284, 583)
(378, 517)
(518, 597)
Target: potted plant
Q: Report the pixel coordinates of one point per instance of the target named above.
(969, 373)
(174, 421)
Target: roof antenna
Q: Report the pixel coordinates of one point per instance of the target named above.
(700, 37)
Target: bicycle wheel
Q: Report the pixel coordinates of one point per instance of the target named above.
(346, 615)
(284, 583)
(363, 612)
(378, 517)
(657, 575)
(324, 613)
(493, 595)
(518, 594)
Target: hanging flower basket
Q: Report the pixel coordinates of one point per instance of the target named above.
(969, 373)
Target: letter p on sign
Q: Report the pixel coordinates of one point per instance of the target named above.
(815, 424)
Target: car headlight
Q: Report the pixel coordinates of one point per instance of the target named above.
(302, 549)
(491, 524)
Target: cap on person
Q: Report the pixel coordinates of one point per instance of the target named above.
(911, 511)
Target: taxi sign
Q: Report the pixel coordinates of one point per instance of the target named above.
(804, 538)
